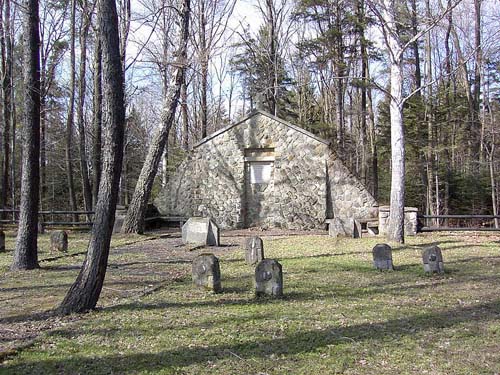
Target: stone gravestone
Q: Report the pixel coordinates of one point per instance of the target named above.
(2, 241)
(120, 214)
(59, 241)
(206, 272)
(254, 250)
(201, 231)
(269, 278)
(433, 260)
(382, 257)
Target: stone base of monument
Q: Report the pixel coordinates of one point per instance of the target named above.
(382, 257)
(335, 227)
(206, 272)
(269, 278)
(59, 241)
(254, 250)
(201, 231)
(432, 259)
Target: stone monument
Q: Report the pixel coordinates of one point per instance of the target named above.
(269, 278)
(382, 257)
(206, 272)
(59, 241)
(254, 250)
(201, 231)
(432, 259)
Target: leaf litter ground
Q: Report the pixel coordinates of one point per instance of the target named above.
(338, 315)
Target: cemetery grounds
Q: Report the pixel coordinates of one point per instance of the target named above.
(338, 314)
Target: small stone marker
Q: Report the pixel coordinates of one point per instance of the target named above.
(59, 241)
(269, 278)
(2, 241)
(382, 257)
(254, 250)
(206, 272)
(201, 231)
(433, 260)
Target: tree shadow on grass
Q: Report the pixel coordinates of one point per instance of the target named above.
(307, 341)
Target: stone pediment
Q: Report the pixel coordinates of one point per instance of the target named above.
(259, 112)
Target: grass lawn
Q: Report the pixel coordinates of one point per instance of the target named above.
(338, 315)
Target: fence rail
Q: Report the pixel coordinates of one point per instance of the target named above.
(52, 214)
(491, 226)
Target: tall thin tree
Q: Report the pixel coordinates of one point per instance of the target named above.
(25, 254)
(84, 293)
(134, 221)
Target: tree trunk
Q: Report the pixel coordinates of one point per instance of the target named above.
(478, 56)
(7, 98)
(97, 122)
(204, 70)
(185, 119)
(134, 221)
(87, 190)
(71, 113)
(396, 219)
(25, 254)
(84, 293)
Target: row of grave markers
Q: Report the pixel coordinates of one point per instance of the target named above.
(432, 259)
(268, 272)
(58, 241)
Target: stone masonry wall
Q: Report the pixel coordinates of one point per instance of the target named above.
(211, 180)
(349, 198)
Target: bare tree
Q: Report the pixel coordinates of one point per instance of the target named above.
(134, 221)
(71, 112)
(84, 293)
(84, 31)
(6, 64)
(210, 19)
(97, 122)
(25, 254)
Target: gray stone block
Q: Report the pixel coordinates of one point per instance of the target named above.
(269, 278)
(59, 241)
(254, 250)
(382, 257)
(432, 259)
(206, 272)
(335, 227)
(117, 226)
(201, 231)
(2, 241)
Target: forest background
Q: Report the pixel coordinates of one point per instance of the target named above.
(320, 64)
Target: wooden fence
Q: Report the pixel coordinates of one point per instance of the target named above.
(483, 223)
(48, 218)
